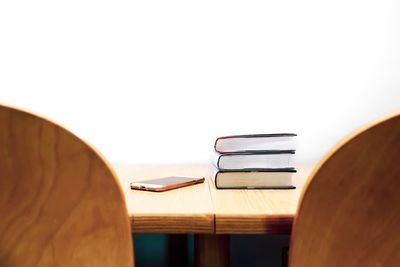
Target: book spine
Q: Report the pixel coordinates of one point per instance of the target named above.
(291, 169)
(218, 161)
(258, 187)
(216, 180)
(215, 159)
(259, 152)
(215, 145)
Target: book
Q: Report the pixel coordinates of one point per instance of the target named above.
(254, 143)
(254, 161)
(271, 179)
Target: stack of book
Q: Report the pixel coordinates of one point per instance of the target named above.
(254, 161)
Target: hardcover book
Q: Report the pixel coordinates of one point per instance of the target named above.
(256, 161)
(254, 143)
(251, 179)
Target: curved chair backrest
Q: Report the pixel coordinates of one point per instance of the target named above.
(60, 204)
(349, 214)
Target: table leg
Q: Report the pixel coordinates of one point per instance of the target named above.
(211, 250)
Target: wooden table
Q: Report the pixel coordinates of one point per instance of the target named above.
(203, 210)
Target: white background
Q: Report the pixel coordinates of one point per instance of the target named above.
(158, 81)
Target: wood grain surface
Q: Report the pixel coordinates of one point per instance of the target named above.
(212, 250)
(257, 211)
(183, 210)
(349, 214)
(205, 209)
(60, 204)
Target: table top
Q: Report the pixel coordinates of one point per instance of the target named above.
(202, 208)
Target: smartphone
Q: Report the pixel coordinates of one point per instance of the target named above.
(166, 183)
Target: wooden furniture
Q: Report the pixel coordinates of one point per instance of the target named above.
(257, 211)
(209, 213)
(203, 209)
(349, 214)
(184, 210)
(60, 204)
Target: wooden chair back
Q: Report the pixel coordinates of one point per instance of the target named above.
(349, 213)
(60, 204)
